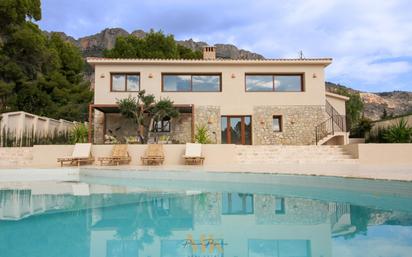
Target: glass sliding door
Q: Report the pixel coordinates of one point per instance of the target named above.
(224, 129)
(248, 130)
(236, 130)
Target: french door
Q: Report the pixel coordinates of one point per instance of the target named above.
(236, 130)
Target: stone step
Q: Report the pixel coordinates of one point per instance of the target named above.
(275, 154)
(343, 161)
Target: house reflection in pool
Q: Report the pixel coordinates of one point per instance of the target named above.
(124, 222)
(242, 224)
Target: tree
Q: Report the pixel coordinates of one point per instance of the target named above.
(16, 12)
(162, 109)
(384, 114)
(354, 106)
(38, 73)
(363, 127)
(153, 45)
(144, 111)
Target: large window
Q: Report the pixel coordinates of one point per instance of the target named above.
(125, 82)
(274, 82)
(191, 83)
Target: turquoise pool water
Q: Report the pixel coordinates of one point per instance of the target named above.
(252, 215)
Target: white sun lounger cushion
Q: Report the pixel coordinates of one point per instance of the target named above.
(193, 150)
(82, 150)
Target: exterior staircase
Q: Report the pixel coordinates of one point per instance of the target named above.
(334, 126)
(281, 154)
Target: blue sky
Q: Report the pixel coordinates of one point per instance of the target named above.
(369, 40)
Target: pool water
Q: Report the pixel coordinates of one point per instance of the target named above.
(179, 218)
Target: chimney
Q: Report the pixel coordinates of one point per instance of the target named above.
(209, 53)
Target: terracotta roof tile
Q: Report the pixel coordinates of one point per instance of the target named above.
(94, 60)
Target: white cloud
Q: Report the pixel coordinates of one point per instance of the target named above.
(355, 33)
(383, 241)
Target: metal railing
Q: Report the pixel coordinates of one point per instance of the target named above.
(336, 123)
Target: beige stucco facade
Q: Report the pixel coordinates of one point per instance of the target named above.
(301, 111)
(233, 99)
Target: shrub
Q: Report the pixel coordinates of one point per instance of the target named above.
(362, 127)
(202, 135)
(399, 133)
(29, 138)
(377, 136)
(79, 134)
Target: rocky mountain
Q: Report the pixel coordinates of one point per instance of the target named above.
(395, 103)
(95, 44)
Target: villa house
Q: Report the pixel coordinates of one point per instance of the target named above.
(259, 102)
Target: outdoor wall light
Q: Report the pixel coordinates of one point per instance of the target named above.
(102, 75)
(314, 75)
(150, 76)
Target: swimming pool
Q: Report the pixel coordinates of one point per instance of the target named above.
(187, 214)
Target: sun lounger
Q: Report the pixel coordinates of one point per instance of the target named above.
(154, 155)
(81, 154)
(193, 154)
(119, 155)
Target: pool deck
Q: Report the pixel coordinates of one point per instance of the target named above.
(400, 173)
(389, 172)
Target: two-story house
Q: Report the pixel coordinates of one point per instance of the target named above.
(259, 102)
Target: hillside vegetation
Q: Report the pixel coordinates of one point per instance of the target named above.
(39, 74)
(45, 73)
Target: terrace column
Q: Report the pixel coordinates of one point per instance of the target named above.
(90, 122)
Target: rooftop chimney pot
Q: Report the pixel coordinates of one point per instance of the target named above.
(209, 53)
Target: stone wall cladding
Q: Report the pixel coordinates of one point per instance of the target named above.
(98, 127)
(121, 127)
(298, 124)
(209, 116)
(181, 129)
(297, 211)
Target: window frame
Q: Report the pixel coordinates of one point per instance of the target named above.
(125, 81)
(191, 81)
(282, 204)
(244, 205)
(163, 121)
(280, 118)
(301, 75)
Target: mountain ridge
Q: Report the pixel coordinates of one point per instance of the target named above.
(395, 102)
(94, 45)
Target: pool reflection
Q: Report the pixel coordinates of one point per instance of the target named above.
(137, 222)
